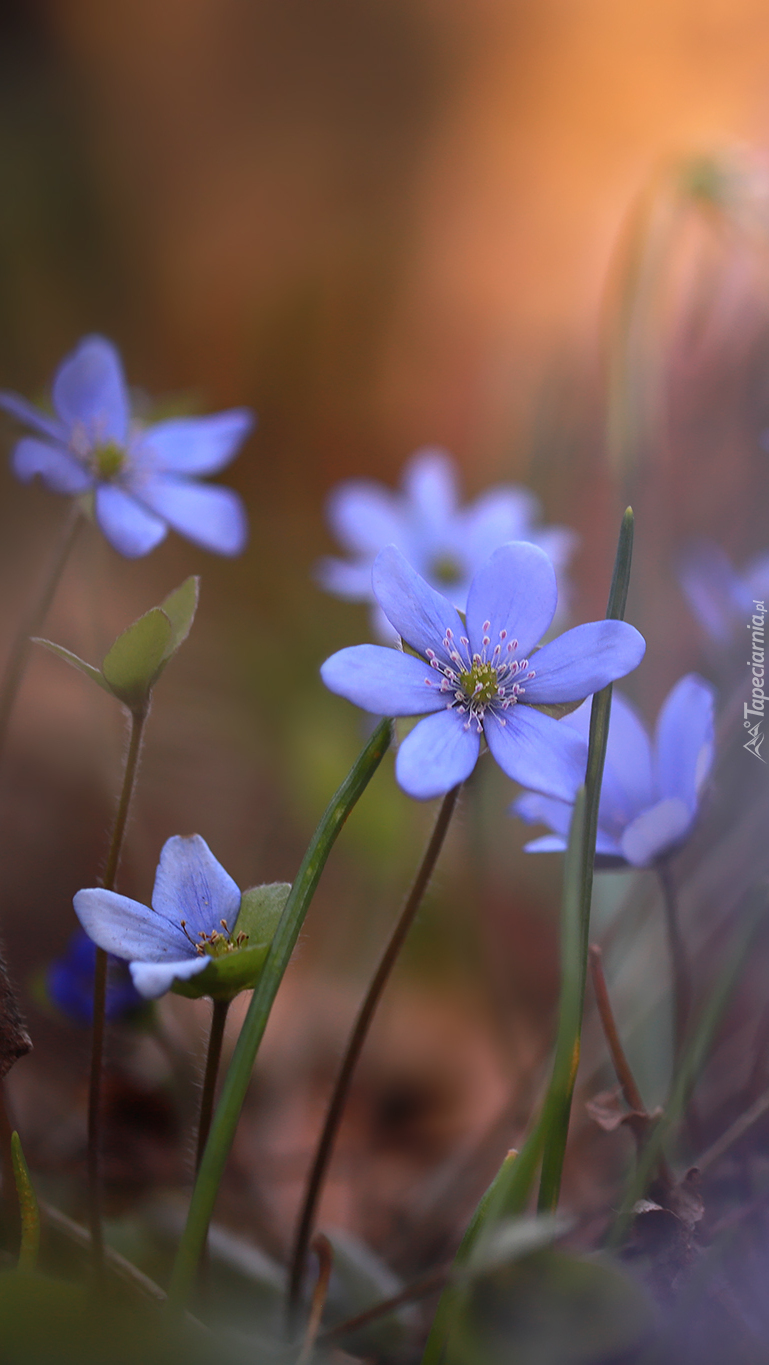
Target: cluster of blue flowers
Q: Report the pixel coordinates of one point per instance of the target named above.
(466, 593)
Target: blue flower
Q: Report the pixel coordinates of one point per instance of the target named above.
(651, 793)
(722, 599)
(195, 904)
(444, 542)
(143, 479)
(69, 983)
(476, 678)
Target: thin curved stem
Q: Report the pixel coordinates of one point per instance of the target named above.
(100, 998)
(213, 1058)
(17, 659)
(682, 988)
(319, 1168)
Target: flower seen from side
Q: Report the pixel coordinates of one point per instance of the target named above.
(143, 479)
(480, 678)
(444, 541)
(198, 921)
(651, 791)
(69, 983)
(720, 597)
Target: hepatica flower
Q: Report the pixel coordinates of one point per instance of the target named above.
(198, 924)
(480, 678)
(69, 983)
(721, 598)
(651, 790)
(444, 541)
(143, 478)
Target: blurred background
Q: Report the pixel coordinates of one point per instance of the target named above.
(536, 234)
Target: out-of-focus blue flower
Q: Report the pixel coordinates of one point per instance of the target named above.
(651, 792)
(476, 678)
(722, 599)
(194, 907)
(69, 983)
(143, 479)
(444, 541)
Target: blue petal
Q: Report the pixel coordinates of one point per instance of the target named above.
(192, 885)
(536, 809)
(515, 593)
(499, 515)
(537, 751)
(547, 843)
(56, 467)
(384, 681)
(430, 485)
(437, 755)
(40, 421)
(90, 390)
(684, 740)
(627, 786)
(343, 579)
(654, 831)
(152, 979)
(131, 529)
(584, 660)
(196, 445)
(209, 515)
(419, 613)
(128, 929)
(365, 517)
(715, 593)
(756, 576)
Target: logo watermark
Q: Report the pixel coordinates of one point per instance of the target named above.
(754, 710)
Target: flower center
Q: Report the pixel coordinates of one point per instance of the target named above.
(107, 460)
(216, 944)
(446, 570)
(480, 683)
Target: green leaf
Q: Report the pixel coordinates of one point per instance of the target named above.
(28, 1209)
(137, 657)
(260, 910)
(226, 976)
(73, 659)
(180, 607)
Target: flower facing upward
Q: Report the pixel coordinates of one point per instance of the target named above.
(195, 904)
(444, 542)
(650, 793)
(479, 678)
(143, 479)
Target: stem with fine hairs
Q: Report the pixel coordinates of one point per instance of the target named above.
(319, 1168)
(17, 659)
(138, 719)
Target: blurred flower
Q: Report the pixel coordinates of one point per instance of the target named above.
(650, 794)
(143, 479)
(69, 983)
(474, 677)
(444, 542)
(720, 598)
(193, 902)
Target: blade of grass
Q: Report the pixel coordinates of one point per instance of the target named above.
(238, 1076)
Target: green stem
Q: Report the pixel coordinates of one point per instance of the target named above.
(100, 999)
(236, 1082)
(319, 1168)
(509, 1191)
(17, 659)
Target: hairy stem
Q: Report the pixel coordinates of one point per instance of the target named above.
(17, 659)
(213, 1057)
(100, 999)
(319, 1168)
(627, 1080)
(679, 966)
